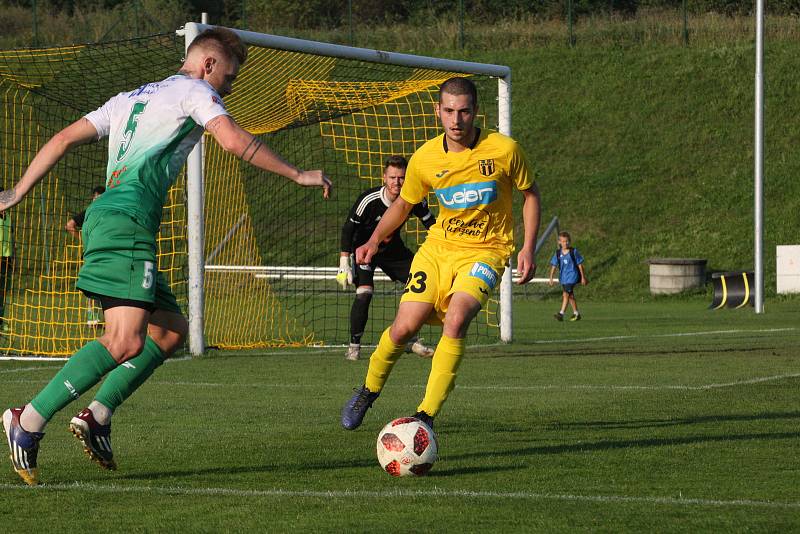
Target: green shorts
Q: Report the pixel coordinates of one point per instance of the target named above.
(119, 260)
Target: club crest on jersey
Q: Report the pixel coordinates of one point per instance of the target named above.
(486, 166)
(464, 196)
(217, 100)
(485, 273)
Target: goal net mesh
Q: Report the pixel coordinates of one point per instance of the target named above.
(271, 248)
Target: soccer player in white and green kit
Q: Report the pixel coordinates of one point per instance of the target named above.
(151, 131)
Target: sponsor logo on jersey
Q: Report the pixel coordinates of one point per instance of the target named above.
(472, 228)
(485, 273)
(465, 196)
(486, 166)
(440, 174)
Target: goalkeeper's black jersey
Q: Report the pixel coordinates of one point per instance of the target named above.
(365, 214)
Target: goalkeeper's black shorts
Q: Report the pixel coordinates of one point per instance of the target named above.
(394, 263)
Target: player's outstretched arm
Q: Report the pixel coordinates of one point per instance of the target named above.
(79, 132)
(526, 264)
(238, 141)
(394, 217)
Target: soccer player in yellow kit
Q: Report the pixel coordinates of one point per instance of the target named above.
(472, 172)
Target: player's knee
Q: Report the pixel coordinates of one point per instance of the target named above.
(181, 330)
(402, 332)
(456, 323)
(364, 293)
(171, 339)
(177, 336)
(124, 348)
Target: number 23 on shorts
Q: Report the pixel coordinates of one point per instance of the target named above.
(416, 282)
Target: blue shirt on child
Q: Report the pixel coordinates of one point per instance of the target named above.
(568, 272)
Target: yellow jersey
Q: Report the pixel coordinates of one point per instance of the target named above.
(473, 188)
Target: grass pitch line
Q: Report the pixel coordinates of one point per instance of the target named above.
(436, 493)
(676, 334)
(26, 369)
(701, 387)
(757, 380)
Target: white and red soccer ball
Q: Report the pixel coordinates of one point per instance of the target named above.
(406, 446)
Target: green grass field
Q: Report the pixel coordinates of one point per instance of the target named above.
(656, 416)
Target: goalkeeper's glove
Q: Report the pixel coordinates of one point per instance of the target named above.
(344, 277)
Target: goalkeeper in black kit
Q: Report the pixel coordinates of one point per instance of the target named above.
(393, 257)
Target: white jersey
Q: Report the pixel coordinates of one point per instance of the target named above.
(151, 131)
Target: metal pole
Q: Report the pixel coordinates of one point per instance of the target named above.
(506, 286)
(194, 234)
(461, 24)
(759, 162)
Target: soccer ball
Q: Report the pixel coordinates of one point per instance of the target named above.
(407, 446)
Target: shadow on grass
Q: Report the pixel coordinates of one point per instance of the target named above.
(245, 469)
(571, 350)
(626, 444)
(655, 423)
(474, 470)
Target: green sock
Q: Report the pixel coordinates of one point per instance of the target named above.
(83, 370)
(125, 379)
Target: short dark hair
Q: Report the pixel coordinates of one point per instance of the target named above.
(565, 234)
(395, 161)
(99, 190)
(459, 86)
(222, 40)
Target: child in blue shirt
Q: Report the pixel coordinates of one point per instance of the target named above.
(570, 271)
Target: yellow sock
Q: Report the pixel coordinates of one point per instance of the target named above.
(382, 361)
(442, 379)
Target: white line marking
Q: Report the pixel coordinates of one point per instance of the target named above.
(757, 380)
(25, 369)
(330, 348)
(656, 387)
(676, 334)
(540, 387)
(440, 493)
(34, 358)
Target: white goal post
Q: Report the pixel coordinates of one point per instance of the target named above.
(194, 169)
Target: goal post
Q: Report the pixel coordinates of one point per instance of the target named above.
(195, 177)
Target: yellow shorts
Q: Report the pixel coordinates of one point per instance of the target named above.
(438, 271)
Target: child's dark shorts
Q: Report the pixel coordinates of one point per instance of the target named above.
(568, 288)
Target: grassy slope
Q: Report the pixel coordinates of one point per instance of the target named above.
(647, 152)
(615, 423)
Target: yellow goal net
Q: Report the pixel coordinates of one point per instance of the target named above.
(269, 249)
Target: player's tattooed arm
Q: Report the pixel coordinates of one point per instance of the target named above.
(237, 141)
(250, 150)
(7, 197)
(215, 124)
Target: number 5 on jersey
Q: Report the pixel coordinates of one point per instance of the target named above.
(130, 129)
